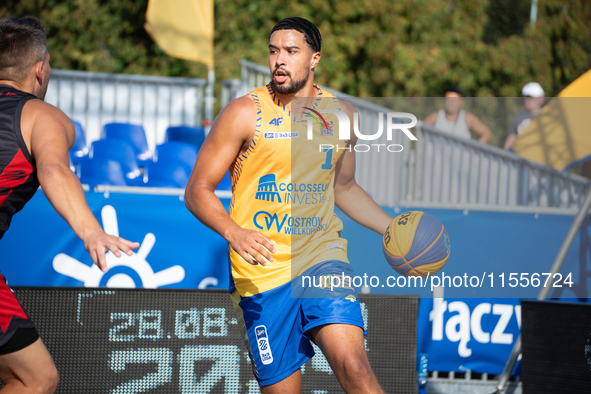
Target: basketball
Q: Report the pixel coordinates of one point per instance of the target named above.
(416, 244)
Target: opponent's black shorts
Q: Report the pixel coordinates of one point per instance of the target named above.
(17, 330)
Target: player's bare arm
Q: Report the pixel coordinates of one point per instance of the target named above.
(349, 196)
(475, 124)
(230, 136)
(49, 135)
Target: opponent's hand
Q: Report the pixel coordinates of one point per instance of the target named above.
(97, 243)
(252, 245)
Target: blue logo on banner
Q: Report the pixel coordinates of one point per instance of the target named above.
(476, 334)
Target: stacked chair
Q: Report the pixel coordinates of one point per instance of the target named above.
(104, 151)
(122, 157)
(132, 134)
(79, 150)
(172, 166)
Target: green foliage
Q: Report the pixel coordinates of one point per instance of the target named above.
(100, 35)
(370, 48)
(417, 47)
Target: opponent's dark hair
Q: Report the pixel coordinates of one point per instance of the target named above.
(304, 26)
(454, 89)
(23, 42)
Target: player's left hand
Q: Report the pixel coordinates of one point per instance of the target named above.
(97, 243)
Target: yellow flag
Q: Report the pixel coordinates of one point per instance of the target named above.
(182, 28)
(560, 136)
(581, 87)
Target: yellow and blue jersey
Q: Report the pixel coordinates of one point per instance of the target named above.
(283, 186)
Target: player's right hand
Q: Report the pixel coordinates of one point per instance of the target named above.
(97, 243)
(254, 247)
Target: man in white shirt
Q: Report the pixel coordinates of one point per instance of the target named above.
(534, 99)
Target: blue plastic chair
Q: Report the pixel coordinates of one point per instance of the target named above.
(79, 150)
(121, 152)
(177, 151)
(100, 172)
(134, 135)
(164, 173)
(189, 134)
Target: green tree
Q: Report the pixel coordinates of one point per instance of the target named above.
(100, 35)
(374, 48)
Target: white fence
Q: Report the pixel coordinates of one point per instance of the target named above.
(453, 171)
(94, 99)
(438, 171)
(442, 171)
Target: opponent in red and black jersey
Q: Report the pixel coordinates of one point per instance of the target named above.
(25, 363)
(18, 177)
(18, 183)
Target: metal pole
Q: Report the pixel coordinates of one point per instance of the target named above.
(566, 244)
(209, 99)
(533, 14)
(506, 374)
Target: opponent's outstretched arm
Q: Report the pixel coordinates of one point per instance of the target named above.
(229, 136)
(51, 137)
(350, 197)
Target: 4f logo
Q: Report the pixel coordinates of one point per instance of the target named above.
(276, 121)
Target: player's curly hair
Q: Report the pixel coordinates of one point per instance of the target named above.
(304, 26)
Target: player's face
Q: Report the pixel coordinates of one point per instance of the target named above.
(290, 61)
(453, 102)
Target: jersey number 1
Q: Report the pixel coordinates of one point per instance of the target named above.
(327, 164)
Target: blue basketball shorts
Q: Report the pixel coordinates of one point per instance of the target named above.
(274, 323)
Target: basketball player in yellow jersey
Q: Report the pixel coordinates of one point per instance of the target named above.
(253, 137)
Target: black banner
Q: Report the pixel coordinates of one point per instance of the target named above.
(556, 349)
(177, 341)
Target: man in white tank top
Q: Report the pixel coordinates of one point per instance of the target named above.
(455, 121)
